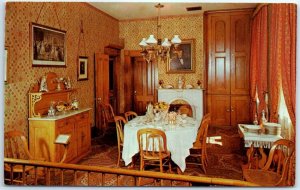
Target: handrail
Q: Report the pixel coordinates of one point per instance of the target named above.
(135, 173)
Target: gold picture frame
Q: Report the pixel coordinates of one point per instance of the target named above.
(182, 61)
(47, 46)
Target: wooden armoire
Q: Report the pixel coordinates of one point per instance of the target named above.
(227, 39)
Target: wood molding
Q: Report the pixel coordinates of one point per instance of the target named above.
(258, 8)
(162, 17)
(243, 10)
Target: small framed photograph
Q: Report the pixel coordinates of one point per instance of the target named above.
(82, 68)
(183, 59)
(6, 58)
(47, 46)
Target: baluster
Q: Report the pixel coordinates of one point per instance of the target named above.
(102, 179)
(48, 176)
(23, 174)
(62, 177)
(35, 175)
(75, 177)
(88, 178)
(118, 179)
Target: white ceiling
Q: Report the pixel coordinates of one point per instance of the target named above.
(133, 10)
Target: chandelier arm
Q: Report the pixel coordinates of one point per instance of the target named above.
(158, 49)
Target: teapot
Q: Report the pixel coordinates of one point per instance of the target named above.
(75, 104)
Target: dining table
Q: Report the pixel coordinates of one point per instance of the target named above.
(180, 137)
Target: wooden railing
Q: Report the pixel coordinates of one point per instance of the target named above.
(60, 170)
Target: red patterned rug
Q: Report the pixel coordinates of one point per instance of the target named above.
(224, 159)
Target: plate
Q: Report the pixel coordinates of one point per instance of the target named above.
(168, 86)
(189, 86)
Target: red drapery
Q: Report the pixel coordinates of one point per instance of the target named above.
(283, 53)
(258, 60)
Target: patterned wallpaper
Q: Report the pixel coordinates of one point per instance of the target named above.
(187, 27)
(99, 31)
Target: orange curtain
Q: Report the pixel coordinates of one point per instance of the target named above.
(283, 53)
(258, 60)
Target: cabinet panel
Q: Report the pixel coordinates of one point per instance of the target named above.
(240, 106)
(240, 50)
(218, 57)
(69, 129)
(219, 107)
(83, 132)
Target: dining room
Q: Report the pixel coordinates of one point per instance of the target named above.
(149, 94)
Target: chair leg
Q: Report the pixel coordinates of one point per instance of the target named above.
(161, 166)
(202, 164)
(141, 169)
(119, 155)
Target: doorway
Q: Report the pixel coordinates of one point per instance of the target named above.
(140, 82)
(107, 82)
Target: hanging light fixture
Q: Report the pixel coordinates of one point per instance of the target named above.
(158, 49)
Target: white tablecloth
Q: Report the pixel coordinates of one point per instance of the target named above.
(258, 140)
(180, 138)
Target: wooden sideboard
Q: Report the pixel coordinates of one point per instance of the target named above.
(44, 129)
(43, 132)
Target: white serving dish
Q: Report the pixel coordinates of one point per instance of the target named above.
(169, 86)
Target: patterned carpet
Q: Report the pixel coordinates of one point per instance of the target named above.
(223, 160)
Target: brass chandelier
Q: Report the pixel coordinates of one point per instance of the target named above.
(153, 49)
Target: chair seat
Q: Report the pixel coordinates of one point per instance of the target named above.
(153, 156)
(261, 177)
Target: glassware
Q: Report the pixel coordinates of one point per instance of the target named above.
(255, 122)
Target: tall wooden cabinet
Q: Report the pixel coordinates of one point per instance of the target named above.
(227, 36)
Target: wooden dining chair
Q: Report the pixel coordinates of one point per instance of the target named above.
(107, 116)
(16, 146)
(198, 151)
(129, 115)
(120, 122)
(184, 109)
(275, 171)
(153, 148)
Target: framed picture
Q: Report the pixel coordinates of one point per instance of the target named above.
(47, 46)
(182, 60)
(6, 58)
(82, 68)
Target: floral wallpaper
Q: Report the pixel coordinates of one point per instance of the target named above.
(99, 31)
(187, 27)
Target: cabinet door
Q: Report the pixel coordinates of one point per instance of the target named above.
(83, 133)
(240, 110)
(240, 48)
(218, 43)
(219, 107)
(66, 126)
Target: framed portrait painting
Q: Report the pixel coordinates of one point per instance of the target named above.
(82, 68)
(47, 46)
(182, 60)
